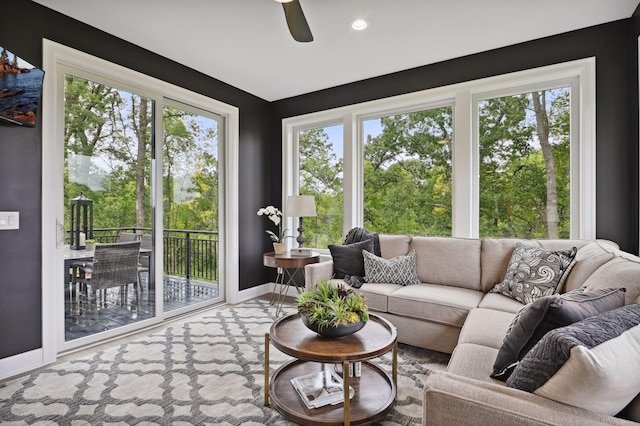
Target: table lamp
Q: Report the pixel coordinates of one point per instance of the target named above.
(301, 206)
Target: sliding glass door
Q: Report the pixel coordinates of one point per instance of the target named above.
(148, 164)
(110, 151)
(107, 144)
(191, 200)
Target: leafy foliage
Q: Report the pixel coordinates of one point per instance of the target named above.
(108, 151)
(331, 306)
(321, 176)
(408, 172)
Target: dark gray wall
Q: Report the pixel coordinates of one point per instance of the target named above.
(613, 45)
(25, 24)
(23, 27)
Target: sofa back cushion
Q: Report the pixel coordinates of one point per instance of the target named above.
(448, 261)
(618, 272)
(588, 259)
(394, 245)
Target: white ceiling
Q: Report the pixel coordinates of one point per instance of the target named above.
(246, 43)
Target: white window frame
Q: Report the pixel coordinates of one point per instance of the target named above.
(57, 58)
(579, 74)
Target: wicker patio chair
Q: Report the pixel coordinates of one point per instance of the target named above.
(126, 237)
(143, 264)
(113, 265)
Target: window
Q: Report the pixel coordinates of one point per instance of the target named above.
(469, 160)
(320, 175)
(524, 165)
(407, 173)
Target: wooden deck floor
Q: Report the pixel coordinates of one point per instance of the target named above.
(85, 315)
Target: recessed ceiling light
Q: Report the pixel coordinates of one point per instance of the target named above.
(359, 24)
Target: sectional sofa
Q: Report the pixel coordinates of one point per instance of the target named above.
(454, 309)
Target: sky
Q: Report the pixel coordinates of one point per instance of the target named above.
(21, 62)
(372, 127)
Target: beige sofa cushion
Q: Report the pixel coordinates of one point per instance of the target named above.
(618, 272)
(433, 302)
(448, 261)
(500, 302)
(562, 244)
(376, 295)
(473, 361)
(588, 259)
(485, 327)
(394, 245)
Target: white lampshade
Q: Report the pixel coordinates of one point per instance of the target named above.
(301, 206)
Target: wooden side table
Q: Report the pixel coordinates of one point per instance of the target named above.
(288, 263)
(375, 389)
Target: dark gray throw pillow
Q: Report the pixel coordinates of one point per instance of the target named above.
(548, 313)
(554, 349)
(348, 259)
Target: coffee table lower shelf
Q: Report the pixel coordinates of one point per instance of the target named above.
(374, 396)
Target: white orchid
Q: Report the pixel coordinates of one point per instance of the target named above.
(275, 215)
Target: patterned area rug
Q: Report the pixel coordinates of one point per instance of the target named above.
(205, 371)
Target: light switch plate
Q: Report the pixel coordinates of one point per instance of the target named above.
(9, 220)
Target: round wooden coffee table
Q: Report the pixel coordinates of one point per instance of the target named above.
(375, 389)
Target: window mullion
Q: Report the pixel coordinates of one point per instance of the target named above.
(353, 173)
(465, 167)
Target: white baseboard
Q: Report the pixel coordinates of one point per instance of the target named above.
(250, 293)
(21, 363)
(260, 290)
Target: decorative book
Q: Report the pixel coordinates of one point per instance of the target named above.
(321, 388)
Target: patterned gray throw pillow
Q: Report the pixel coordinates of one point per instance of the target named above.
(400, 270)
(534, 272)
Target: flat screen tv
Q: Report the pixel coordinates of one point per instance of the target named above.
(20, 89)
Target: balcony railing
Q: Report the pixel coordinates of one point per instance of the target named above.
(186, 253)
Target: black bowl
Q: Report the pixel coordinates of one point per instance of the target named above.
(333, 332)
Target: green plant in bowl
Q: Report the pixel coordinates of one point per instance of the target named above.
(327, 308)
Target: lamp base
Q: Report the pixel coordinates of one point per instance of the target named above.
(301, 239)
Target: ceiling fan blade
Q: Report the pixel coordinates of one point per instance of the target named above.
(296, 21)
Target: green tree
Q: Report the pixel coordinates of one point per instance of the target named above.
(524, 175)
(190, 179)
(407, 174)
(321, 176)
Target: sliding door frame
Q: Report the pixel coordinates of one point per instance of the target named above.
(57, 59)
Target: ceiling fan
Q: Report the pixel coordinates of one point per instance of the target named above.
(296, 21)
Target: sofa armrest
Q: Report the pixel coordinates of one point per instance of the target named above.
(455, 400)
(315, 272)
